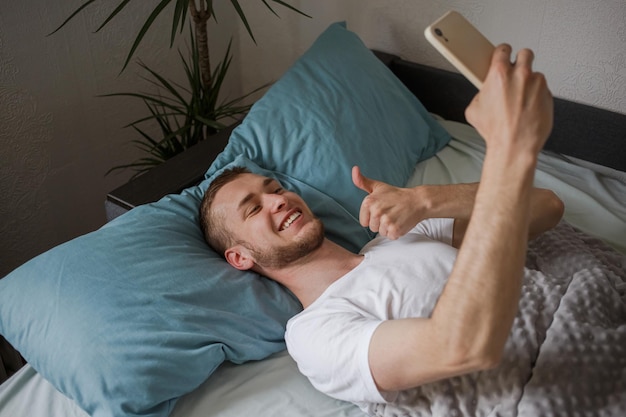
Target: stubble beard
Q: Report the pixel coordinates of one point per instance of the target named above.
(281, 257)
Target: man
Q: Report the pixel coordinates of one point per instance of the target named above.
(371, 319)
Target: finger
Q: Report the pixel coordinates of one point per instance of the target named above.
(386, 230)
(502, 54)
(382, 230)
(364, 213)
(362, 181)
(373, 222)
(389, 229)
(525, 58)
(392, 232)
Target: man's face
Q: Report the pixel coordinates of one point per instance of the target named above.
(274, 225)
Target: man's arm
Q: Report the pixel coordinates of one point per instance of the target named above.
(472, 319)
(393, 211)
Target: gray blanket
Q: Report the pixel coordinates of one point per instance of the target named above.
(566, 355)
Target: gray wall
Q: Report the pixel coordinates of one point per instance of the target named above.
(57, 139)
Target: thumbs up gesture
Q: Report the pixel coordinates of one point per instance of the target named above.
(390, 211)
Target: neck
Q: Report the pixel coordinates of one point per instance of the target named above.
(309, 277)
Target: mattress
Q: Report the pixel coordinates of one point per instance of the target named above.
(593, 197)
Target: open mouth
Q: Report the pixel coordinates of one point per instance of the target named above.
(285, 225)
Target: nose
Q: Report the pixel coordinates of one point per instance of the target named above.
(277, 202)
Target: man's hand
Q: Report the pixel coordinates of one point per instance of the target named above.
(514, 105)
(388, 210)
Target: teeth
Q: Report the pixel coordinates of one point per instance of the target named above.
(290, 220)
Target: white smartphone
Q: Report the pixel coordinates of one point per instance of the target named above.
(463, 45)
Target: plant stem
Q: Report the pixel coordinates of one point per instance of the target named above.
(201, 16)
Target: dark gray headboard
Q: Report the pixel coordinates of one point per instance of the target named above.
(581, 131)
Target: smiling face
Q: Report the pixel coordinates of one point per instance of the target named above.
(272, 227)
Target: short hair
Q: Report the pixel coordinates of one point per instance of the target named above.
(213, 227)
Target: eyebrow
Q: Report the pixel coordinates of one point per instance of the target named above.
(249, 196)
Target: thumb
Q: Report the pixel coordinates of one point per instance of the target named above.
(362, 181)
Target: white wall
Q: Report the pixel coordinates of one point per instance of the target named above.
(580, 45)
(57, 139)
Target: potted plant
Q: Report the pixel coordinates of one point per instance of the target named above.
(185, 114)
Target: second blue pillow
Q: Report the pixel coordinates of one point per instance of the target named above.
(336, 107)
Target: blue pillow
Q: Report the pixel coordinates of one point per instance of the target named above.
(336, 107)
(128, 318)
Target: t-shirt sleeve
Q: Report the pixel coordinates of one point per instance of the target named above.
(331, 350)
(437, 229)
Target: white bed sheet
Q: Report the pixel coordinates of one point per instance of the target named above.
(267, 388)
(27, 394)
(595, 202)
(594, 195)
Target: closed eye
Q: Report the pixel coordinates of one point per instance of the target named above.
(253, 210)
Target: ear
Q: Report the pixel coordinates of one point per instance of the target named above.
(238, 257)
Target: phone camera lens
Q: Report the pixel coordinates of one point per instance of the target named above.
(438, 32)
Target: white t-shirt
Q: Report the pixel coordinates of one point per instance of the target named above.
(330, 339)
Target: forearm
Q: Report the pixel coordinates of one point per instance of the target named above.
(513, 112)
(457, 201)
(446, 201)
(480, 300)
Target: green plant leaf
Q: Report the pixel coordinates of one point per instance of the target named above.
(214, 124)
(242, 16)
(180, 15)
(168, 86)
(270, 7)
(210, 9)
(153, 99)
(113, 14)
(155, 13)
(282, 3)
(80, 9)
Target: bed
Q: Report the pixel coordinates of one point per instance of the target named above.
(141, 318)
